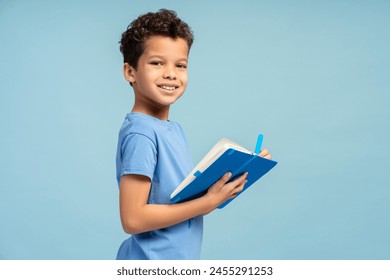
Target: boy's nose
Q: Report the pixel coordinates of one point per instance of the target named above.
(169, 74)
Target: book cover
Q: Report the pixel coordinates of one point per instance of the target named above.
(225, 156)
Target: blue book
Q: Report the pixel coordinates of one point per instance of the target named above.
(225, 156)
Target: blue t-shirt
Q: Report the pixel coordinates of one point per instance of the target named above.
(158, 149)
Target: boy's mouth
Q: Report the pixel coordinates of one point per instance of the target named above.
(168, 87)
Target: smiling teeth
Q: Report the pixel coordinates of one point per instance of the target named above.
(167, 87)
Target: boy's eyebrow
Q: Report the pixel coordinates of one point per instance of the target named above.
(162, 57)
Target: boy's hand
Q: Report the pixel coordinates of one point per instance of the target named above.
(265, 154)
(222, 190)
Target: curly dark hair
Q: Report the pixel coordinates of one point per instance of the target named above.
(164, 22)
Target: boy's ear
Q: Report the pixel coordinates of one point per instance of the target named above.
(129, 73)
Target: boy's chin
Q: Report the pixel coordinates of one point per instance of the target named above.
(169, 100)
(166, 103)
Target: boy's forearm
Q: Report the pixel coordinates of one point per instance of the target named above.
(139, 216)
(155, 216)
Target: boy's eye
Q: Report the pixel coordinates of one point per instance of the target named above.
(182, 66)
(156, 63)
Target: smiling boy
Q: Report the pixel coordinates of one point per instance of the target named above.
(161, 75)
(153, 156)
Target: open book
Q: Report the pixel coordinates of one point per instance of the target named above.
(225, 156)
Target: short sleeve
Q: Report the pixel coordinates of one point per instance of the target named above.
(139, 155)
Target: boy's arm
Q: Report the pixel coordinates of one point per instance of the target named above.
(137, 216)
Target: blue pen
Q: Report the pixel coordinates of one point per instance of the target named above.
(258, 144)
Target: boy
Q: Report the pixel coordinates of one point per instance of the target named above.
(153, 155)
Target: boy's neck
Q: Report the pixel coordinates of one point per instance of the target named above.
(158, 113)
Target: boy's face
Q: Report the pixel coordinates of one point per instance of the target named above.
(161, 75)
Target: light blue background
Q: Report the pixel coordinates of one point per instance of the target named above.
(312, 76)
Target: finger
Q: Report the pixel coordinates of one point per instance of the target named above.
(238, 189)
(240, 179)
(234, 184)
(268, 156)
(263, 153)
(224, 179)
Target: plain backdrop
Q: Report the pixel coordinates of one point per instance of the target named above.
(312, 76)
